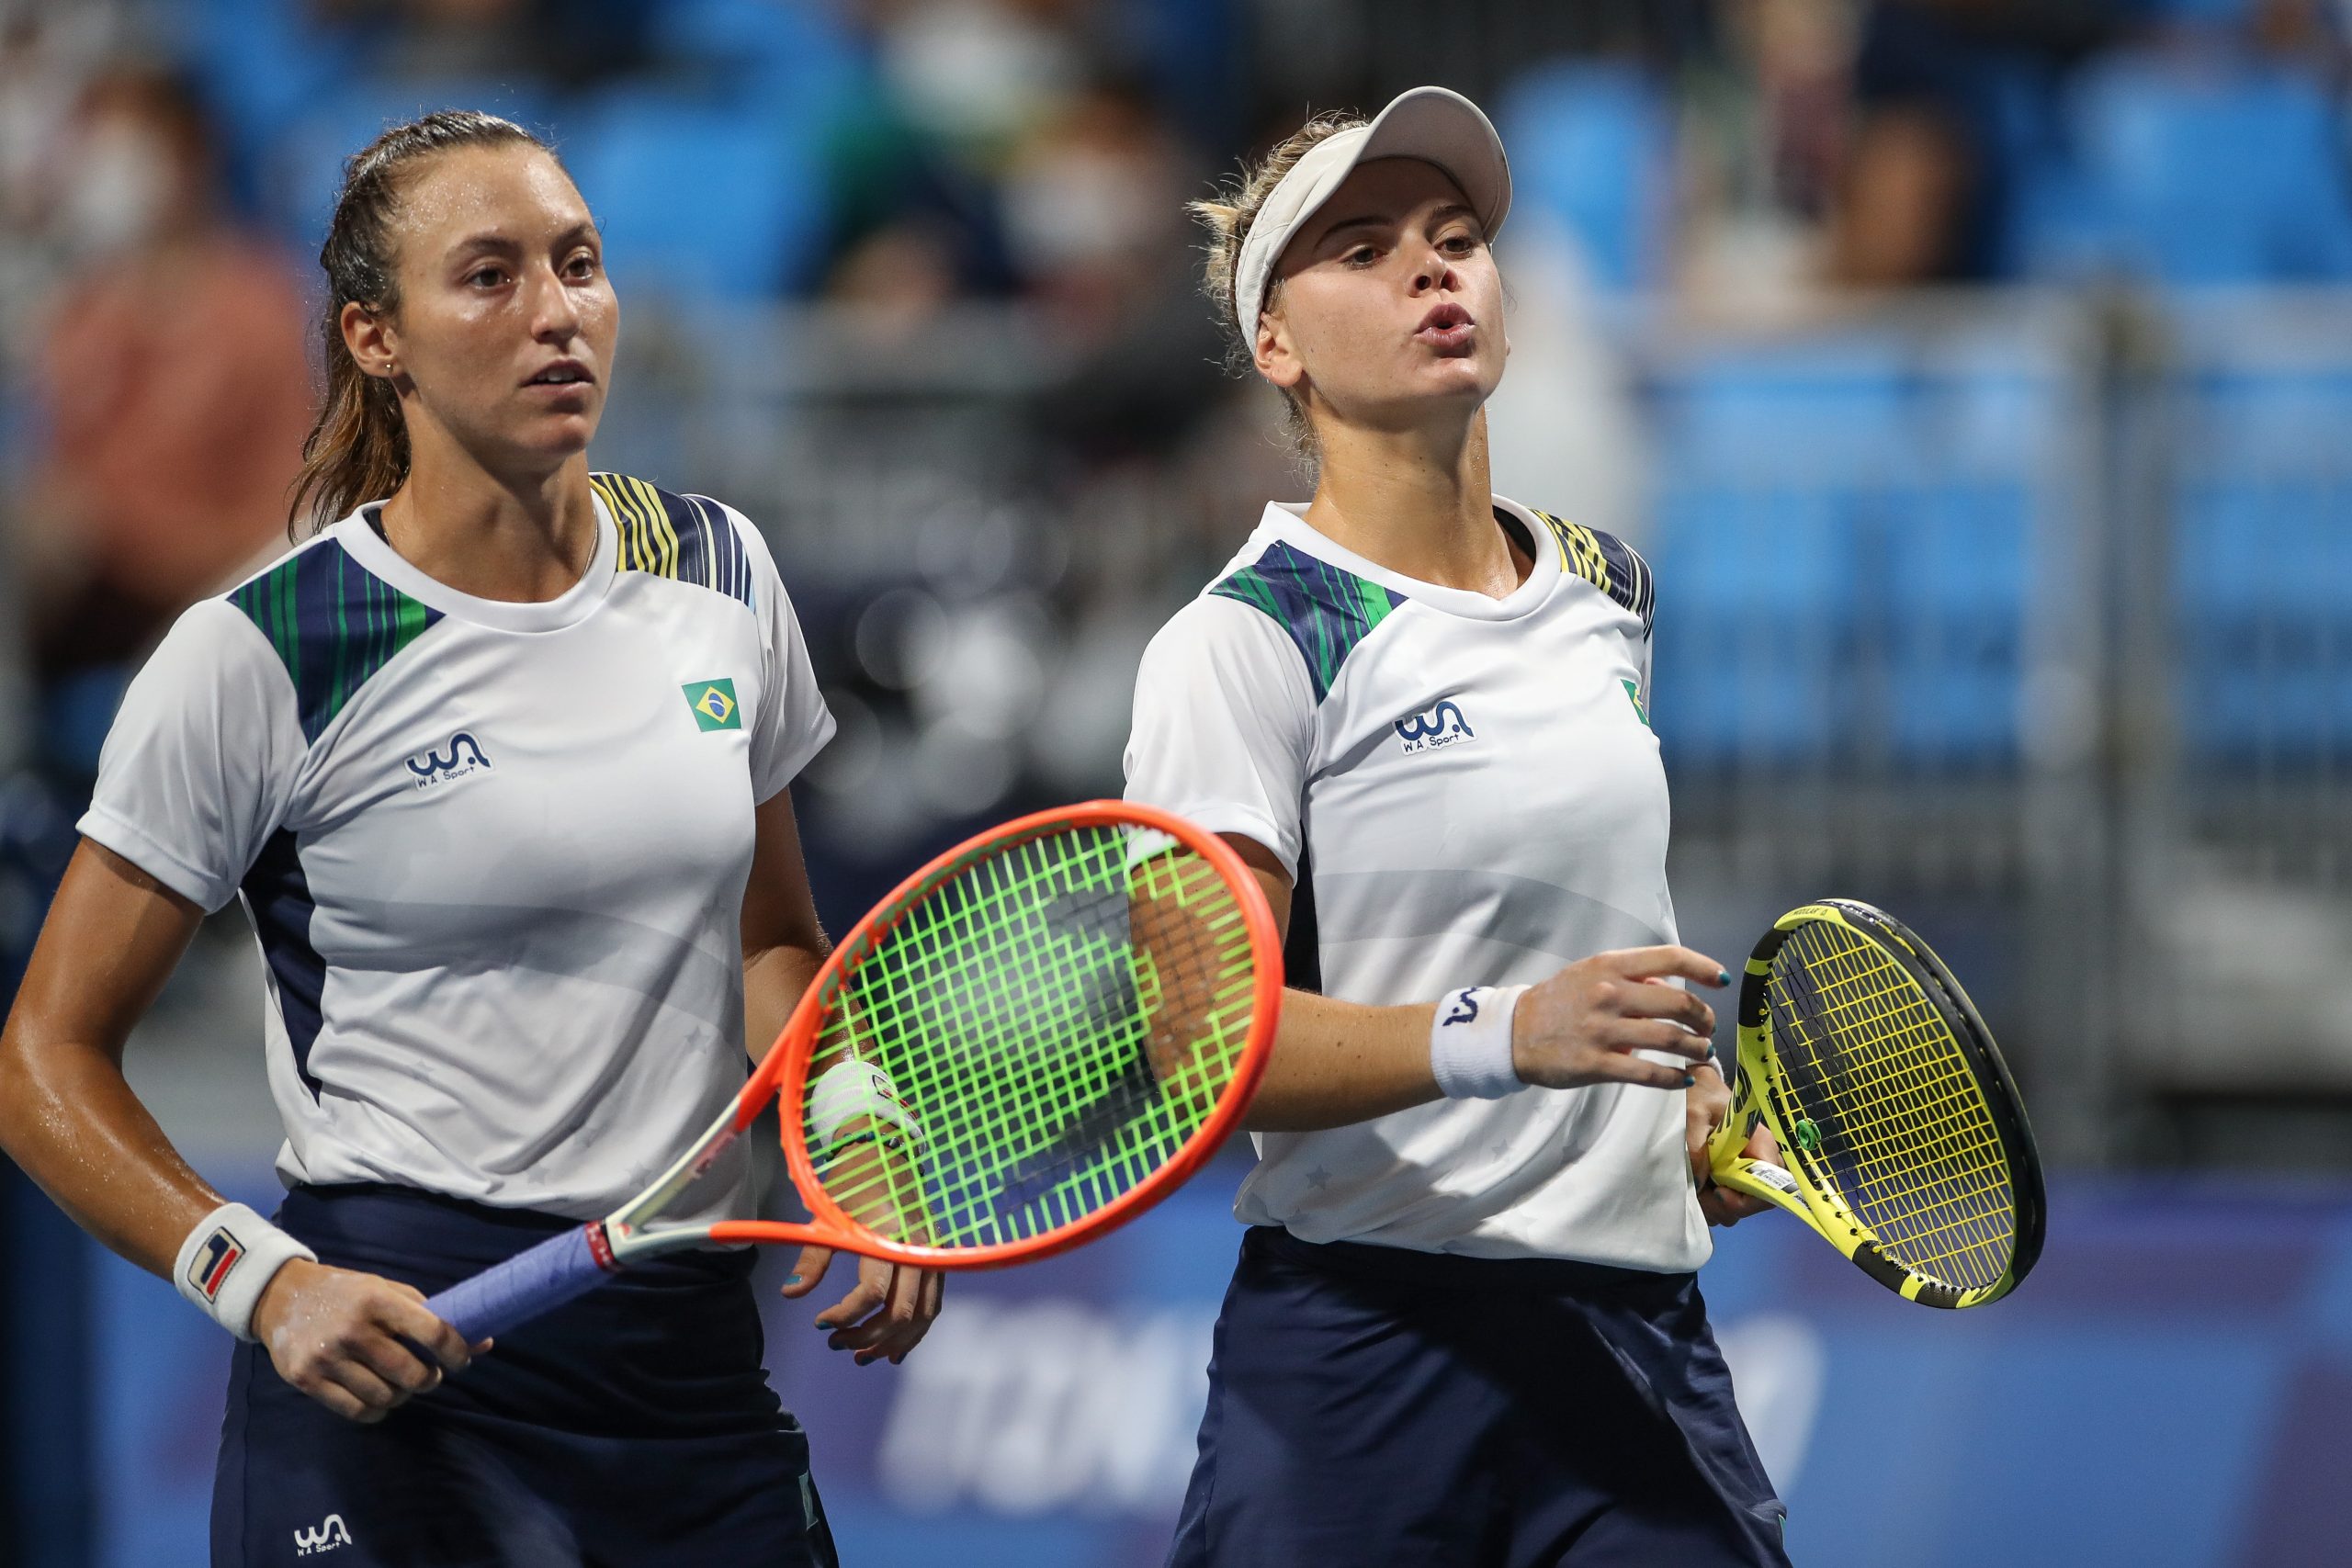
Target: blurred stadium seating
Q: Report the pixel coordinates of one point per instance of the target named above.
(2196, 173)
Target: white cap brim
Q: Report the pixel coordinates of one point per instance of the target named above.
(1434, 124)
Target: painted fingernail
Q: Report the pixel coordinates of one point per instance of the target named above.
(823, 1326)
(1723, 977)
(794, 1281)
(1689, 1079)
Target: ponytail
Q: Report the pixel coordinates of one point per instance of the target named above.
(357, 450)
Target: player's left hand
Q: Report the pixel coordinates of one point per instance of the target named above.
(1709, 1103)
(885, 1315)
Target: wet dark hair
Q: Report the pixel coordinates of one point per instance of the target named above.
(357, 450)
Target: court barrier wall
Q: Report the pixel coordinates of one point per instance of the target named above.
(2172, 1389)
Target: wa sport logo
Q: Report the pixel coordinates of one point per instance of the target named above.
(465, 756)
(330, 1534)
(1434, 727)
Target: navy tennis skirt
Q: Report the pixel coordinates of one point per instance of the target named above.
(1369, 1404)
(633, 1427)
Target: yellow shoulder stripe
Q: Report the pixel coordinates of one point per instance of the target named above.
(647, 541)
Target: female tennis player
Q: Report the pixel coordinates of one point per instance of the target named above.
(497, 763)
(1465, 1327)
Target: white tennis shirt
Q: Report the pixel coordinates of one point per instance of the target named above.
(1469, 790)
(494, 852)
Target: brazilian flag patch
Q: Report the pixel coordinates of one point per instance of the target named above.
(1633, 693)
(714, 705)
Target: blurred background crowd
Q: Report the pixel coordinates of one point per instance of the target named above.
(1976, 374)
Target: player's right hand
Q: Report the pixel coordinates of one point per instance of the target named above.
(1583, 1025)
(359, 1344)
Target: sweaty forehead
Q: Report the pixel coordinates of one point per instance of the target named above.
(515, 188)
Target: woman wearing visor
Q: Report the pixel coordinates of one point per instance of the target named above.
(1466, 1326)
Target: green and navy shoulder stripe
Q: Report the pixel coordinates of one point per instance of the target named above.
(1326, 610)
(1609, 563)
(332, 624)
(688, 538)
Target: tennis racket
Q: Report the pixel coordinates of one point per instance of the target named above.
(1032, 1040)
(1905, 1141)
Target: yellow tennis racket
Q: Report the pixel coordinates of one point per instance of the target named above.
(1906, 1143)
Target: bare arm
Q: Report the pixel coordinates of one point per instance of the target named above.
(1337, 1062)
(113, 936)
(891, 1307)
(784, 945)
(69, 1117)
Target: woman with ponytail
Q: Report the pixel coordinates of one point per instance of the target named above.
(496, 761)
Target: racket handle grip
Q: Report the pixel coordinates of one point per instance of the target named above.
(509, 1295)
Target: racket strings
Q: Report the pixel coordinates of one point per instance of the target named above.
(1904, 1137)
(1059, 1015)
(1915, 1214)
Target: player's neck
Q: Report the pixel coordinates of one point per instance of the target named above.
(1418, 503)
(518, 540)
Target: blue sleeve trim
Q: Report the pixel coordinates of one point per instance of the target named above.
(1326, 610)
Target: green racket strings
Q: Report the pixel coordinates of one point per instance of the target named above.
(1058, 1016)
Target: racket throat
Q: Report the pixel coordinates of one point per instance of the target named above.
(628, 1228)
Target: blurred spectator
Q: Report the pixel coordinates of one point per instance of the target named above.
(977, 75)
(2312, 31)
(1094, 222)
(1952, 98)
(1093, 202)
(172, 379)
(1764, 138)
(47, 52)
(898, 279)
(433, 40)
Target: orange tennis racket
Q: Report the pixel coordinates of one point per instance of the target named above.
(1036, 1038)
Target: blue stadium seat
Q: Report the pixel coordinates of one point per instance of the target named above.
(1956, 591)
(1814, 412)
(1756, 590)
(2262, 540)
(2263, 594)
(1843, 550)
(1593, 144)
(259, 66)
(696, 199)
(2190, 12)
(791, 54)
(303, 168)
(2199, 175)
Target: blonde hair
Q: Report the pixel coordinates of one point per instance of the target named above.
(1227, 216)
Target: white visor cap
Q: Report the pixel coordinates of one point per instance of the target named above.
(1434, 124)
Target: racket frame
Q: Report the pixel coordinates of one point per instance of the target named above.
(629, 1235)
(1762, 1092)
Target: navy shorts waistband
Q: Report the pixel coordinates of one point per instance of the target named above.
(408, 1231)
(1455, 1271)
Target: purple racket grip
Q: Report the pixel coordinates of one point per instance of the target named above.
(526, 1285)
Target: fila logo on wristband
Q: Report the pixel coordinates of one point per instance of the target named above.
(228, 1260)
(219, 1255)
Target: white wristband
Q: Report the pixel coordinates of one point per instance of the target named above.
(1470, 1041)
(847, 1091)
(228, 1260)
